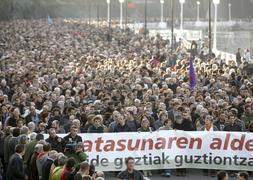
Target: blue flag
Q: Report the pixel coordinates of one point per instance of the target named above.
(49, 20)
(192, 74)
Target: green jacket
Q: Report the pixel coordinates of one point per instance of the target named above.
(29, 149)
(56, 175)
(79, 157)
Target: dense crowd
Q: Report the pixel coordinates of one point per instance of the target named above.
(71, 78)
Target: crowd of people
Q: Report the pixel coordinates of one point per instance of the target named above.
(71, 78)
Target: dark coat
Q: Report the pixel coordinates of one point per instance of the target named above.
(46, 168)
(56, 143)
(125, 175)
(69, 140)
(185, 126)
(15, 170)
(120, 128)
(33, 172)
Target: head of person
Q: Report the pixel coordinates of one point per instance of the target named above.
(70, 164)
(31, 127)
(98, 121)
(39, 137)
(20, 149)
(231, 118)
(145, 124)
(20, 123)
(85, 167)
(53, 154)
(208, 120)
(167, 123)
(100, 174)
(222, 175)
(24, 130)
(242, 176)
(52, 132)
(46, 147)
(73, 131)
(130, 163)
(61, 160)
(121, 120)
(79, 147)
(163, 115)
(23, 139)
(55, 124)
(76, 123)
(16, 132)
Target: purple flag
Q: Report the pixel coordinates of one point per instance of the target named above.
(192, 74)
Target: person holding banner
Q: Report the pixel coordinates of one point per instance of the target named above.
(209, 126)
(130, 173)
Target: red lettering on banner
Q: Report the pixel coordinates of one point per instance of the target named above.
(249, 145)
(145, 141)
(121, 145)
(171, 139)
(161, 143)
(216, 144)
(87, 146)
(226, 141)
(238, 142)
(110, 144)
(198, 140)
(182, 142)
(136, 147)
(98, 142)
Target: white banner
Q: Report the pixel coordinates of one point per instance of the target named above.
(170, 149)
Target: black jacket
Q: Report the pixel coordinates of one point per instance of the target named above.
(125, 175)
(185, 126)
(69, 140)
(57, 143)
(120, 128)
(15, 170)
(46, 168)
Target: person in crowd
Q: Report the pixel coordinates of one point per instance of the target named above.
(209, 126)
(57, 167)
(72, 137)
(167, 125)
(222, 175)
(163, 115)
(13, 141)
(97, 126)
(57, 143)
(130, 173)
(16, 170)
(76, 152)
(83, 171)
(46, 167)
(30, 147)
(56, 125)
(232, 125)
(220, 123)
(68, 172)
(242, 176)
(32, 166)
(41, 159)
(121, 125)
(131, 121)
(145, 125)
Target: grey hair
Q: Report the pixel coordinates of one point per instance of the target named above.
(62, 160)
